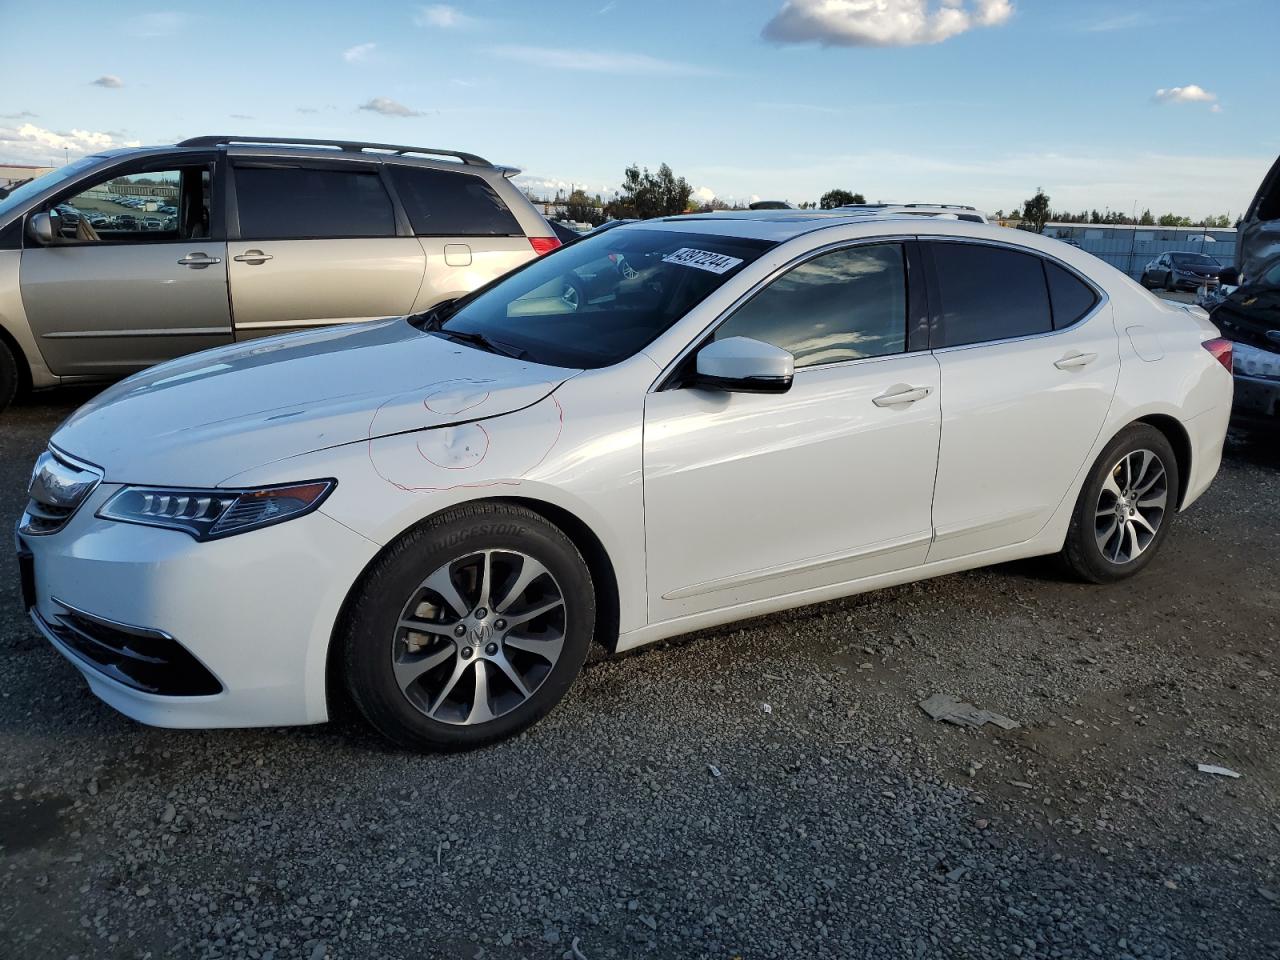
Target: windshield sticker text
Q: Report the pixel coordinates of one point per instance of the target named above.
(702, 260)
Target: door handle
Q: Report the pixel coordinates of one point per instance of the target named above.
(199, 260)
(1074, 361)
(252, 256)
(900, 394)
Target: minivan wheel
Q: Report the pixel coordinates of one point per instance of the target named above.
(1123, 512)
(469, 629)
(1169, 285)
(9, 376)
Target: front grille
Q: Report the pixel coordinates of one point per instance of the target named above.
(59, 485)
(144, 659)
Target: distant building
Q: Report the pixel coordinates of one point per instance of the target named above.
(11, 173)
(1130, 248)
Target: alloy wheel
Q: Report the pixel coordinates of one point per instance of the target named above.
(479, 636)
(1131, 506)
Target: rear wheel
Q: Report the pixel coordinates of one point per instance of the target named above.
(1123, 511)
(10, 379)
(470, 629)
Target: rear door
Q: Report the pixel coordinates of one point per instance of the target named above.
(1029, 360)
(146, 284)
(312, 243)
(469, 235)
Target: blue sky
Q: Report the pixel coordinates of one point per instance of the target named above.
(1169, 105)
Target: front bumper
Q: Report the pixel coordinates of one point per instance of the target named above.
(175, 633)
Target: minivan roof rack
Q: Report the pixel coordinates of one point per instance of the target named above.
(354, 146)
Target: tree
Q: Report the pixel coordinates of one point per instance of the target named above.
(1146, 220)
(582, 209)
(1036, 210)
(839, 198)
(646, 195)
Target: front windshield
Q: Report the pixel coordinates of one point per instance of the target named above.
(17, 196)
(1194, 260)
(599, 301)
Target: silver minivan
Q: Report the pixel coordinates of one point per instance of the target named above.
(126, 258)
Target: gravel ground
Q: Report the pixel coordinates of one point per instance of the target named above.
(770, 790)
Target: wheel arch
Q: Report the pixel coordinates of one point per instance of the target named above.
(1180, 440)
(577, 530)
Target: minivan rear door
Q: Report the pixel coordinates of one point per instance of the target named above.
(312, 243)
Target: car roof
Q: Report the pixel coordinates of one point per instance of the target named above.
(782, 225)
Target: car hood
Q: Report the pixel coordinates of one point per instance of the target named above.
(1251, 315)
(203, 418)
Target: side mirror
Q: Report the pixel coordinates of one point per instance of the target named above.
(743, 365)
(41, 229)
(1229, 276)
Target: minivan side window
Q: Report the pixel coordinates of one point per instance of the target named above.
(445, 204)
(304, 203)
(845, 305)
(1070, 297)
(988, 293)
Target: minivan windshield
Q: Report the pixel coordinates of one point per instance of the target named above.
(599, 300)
(17, 196)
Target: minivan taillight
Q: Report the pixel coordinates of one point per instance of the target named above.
(1221, 350)
(543, 245)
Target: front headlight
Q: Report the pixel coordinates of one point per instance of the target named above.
(210, 514)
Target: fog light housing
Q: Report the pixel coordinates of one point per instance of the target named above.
(209, 514)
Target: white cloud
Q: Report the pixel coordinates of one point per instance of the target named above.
(20, 115)
(359, 52)
(443, 16)
(390, 108)
(31, 144)
(882, 23)
(1216, 108)
(1123, 21)
(108, 80)
(598, 61)
(703, 195)
(1191, 93)
(163, 23)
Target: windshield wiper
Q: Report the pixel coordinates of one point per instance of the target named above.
(483, 342)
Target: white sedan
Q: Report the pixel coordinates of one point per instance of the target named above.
(657, 429)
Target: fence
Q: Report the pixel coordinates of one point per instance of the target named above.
(1131, 248)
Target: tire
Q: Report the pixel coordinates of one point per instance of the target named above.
(10, 377)
(1169, 285)
(465, 679)
(1136, 477)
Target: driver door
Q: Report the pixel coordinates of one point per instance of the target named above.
(136, 273)
(753, 496)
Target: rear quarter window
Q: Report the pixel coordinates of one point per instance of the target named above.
(1070, 297)
(445, 204)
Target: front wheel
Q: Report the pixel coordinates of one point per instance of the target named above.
(469, 629)
(1169, 285)
(1123, 511)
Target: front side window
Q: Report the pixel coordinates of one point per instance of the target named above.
(989, 293)
(600, 300)
(306, 203)
(845, 305)
(145, 207)
(441, 203)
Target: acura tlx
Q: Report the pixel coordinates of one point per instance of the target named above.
(659, 428)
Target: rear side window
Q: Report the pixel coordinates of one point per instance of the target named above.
(444, 204)
(303, 203)
(989, 293)
(1070, 296)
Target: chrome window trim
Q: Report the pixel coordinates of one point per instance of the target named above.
(1103, 297)
(791, 264)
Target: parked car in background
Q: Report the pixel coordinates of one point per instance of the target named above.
(1250, 317)
(1180, 271)
(736, 414)
(271, 236)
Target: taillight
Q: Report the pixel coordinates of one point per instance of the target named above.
(1221, 350)
(542, 245)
